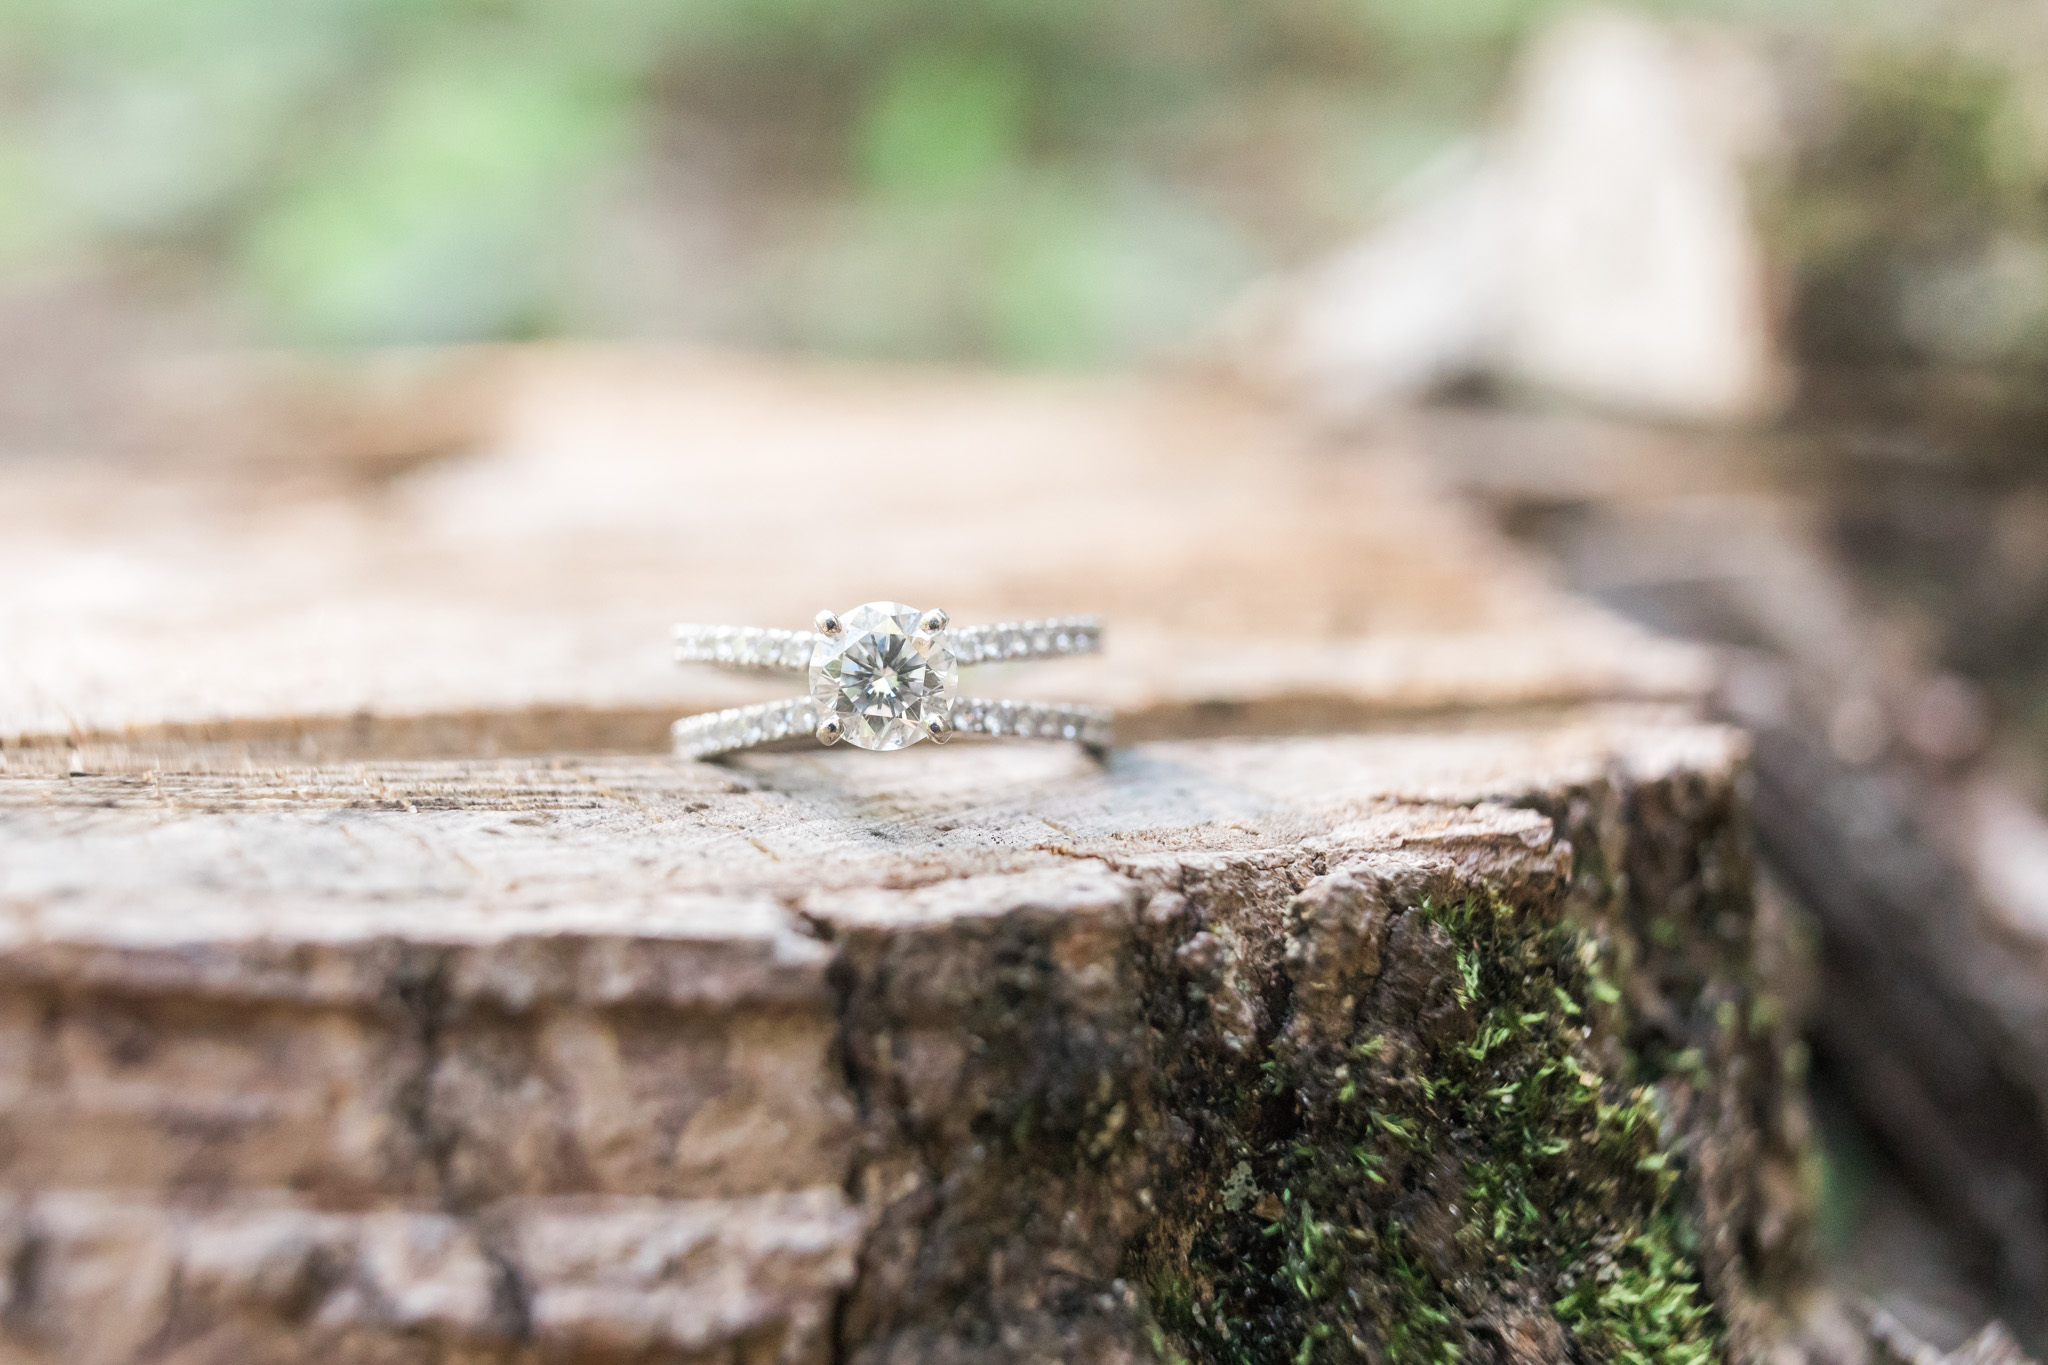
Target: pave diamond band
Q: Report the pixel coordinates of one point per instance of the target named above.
(1090, 725)
(747, 727)
(758, 649)
(743, 727)
(885, 676)
(766, 649)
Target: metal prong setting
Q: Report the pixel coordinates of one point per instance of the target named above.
(941, 645)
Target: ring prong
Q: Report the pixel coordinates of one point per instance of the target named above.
(934, 620)
(827, 624)
(939, 728)
(829, 730)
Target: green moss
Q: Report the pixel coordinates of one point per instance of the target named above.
(1474, 1147)
(1641, 1302)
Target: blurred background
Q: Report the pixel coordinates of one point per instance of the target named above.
(1735, 312)
(1033, 183)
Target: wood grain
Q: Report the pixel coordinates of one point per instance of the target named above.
(515, 597)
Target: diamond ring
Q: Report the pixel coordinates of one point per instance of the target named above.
(884, 676)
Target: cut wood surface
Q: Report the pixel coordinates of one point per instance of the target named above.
(518, 593)
(1464, 1038)
(961, 1055)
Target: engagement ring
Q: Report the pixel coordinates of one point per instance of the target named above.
(883, 676)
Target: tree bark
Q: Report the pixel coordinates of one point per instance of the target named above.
(1905, 836)
(1459, 1039)
(1349, 1047)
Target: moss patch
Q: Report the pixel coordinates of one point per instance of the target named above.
(1462, 1161)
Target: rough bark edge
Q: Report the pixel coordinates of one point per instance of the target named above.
(1041, 1183)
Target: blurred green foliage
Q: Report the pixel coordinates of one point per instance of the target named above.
(1919, 229)
(1039, 181)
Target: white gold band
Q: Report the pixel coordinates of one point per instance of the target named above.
(753, 649)
(883, 676)
(765, 649)
(796, 718)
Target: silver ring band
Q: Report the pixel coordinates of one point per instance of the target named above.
(765, 649)
(885, 676)
(778, 722)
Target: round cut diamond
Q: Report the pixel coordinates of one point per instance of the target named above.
(884, 676)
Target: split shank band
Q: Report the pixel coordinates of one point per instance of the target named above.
(885, 676)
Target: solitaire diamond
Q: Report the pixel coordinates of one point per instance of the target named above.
(883, 676)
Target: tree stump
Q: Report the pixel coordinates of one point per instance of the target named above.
(370, 997)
